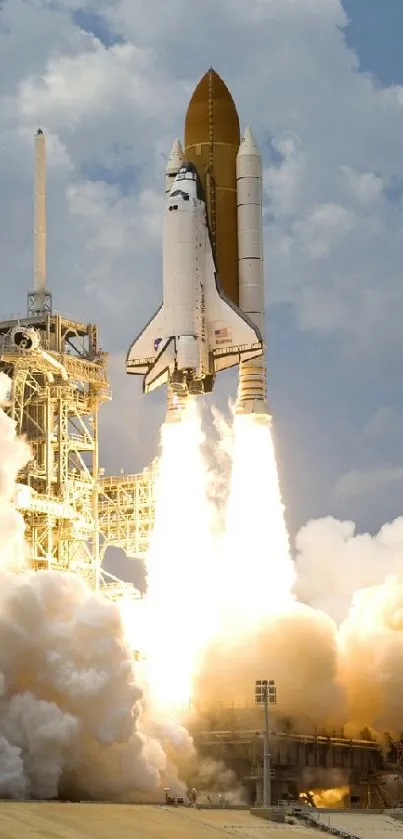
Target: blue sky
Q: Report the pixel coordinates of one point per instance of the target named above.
(319, 81)
(374, 33)
(331, 405)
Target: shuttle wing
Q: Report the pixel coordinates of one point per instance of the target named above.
(164, 364)
(145, 348)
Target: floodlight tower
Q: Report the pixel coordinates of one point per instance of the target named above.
(266, 694)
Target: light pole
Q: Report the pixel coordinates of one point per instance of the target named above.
(266, 694)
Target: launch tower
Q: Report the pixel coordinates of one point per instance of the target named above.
(59, 381)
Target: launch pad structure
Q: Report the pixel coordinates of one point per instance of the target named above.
(302, 763)
(58, 382)
(72, 512)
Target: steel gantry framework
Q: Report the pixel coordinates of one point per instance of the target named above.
(300, 763)
(59, 381)
(126, 508)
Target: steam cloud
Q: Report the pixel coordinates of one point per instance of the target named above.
(334, 562)
(71, 717)
(297, 649)
(69, 703)
(332, 639)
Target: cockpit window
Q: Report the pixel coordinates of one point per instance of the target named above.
(184, 195)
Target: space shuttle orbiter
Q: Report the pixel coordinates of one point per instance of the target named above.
(197, 331)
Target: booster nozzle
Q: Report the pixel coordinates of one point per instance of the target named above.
(176, 405)
(252, 390)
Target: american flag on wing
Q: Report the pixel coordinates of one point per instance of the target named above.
(221, 333)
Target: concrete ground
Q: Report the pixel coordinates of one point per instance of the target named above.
(25, 820)
(363, 825)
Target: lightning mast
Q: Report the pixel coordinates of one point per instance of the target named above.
(40, 299)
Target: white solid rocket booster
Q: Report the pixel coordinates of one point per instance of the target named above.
(252, 373)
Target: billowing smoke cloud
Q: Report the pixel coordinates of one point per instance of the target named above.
(297, 649)
(214, 780)
(69, 702)
(371, 657)
(337, 661)
(333, 562)
(359, 580)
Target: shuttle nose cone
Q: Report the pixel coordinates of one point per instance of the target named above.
(248, 144)
(175, 159)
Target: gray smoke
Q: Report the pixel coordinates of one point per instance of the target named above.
(70, 705)
(69, 702)
(297, 649)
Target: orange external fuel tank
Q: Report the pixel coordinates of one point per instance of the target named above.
(212, 141)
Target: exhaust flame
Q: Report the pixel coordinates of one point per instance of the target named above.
(330, 797)
(220, 610)
(326, 798)
(258, 570)
(229, 583)
(180, 566)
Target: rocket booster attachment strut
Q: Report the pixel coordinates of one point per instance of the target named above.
(197, 331)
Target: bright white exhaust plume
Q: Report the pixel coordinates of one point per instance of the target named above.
(69, 703)
(206, 587)
(258, 572)
(181, 571)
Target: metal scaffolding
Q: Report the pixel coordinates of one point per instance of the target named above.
(126, 511)
(58, 383)
(299, 762)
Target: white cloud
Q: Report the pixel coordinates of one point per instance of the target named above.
(95, 84)
(369, 482)
(333, 562)
(385, 423)
(330, 229)
(367, 187)
(331, 138)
